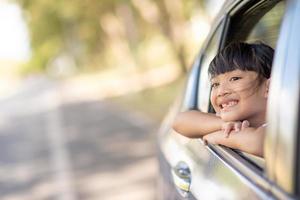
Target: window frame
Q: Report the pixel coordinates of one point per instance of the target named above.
(204, 95)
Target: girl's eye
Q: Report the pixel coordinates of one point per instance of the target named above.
(235, 78)
(213, 85)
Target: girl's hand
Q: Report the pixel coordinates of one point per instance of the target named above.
(250, 140)
(227, 127)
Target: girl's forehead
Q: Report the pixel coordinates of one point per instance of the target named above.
(236, 72)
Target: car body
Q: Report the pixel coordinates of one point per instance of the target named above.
(191, 170)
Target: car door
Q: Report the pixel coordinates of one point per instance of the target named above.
(175, 149)
(217, 172)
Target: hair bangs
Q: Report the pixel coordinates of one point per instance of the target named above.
(245, 57)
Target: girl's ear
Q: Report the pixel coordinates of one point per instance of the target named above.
(267, 84)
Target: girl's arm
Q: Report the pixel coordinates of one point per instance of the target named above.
(195, 124)
(250, 140)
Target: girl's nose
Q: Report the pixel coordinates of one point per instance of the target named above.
(223, 90)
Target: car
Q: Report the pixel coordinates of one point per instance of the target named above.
(189, 169)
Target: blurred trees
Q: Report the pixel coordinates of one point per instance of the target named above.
(93, 34)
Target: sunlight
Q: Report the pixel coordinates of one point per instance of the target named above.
(14, 38)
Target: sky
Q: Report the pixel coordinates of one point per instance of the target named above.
(214, 6)
(14, 38)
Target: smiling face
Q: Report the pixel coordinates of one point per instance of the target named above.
(237, 95)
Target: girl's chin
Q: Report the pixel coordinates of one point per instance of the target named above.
(229, 117)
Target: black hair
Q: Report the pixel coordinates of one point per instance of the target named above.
(257, 57)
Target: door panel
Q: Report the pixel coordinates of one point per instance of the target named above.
(211, 177)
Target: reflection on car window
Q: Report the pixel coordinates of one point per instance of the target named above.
(267, 28)
(204, 83)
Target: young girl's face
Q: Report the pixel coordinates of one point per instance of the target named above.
(236, 96)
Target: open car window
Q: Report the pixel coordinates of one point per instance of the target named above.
(258, 22)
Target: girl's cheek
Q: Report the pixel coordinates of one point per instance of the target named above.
(213, 103)
(216, 108)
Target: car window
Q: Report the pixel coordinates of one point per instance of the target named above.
(267, 28)
(204, 83)
(259, 22)
(209, 52)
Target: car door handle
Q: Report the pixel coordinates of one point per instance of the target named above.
(182, 178)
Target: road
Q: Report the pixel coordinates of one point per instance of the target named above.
(54, 148)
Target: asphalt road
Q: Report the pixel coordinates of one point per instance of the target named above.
(53, 148)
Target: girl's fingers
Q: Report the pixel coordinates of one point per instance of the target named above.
(237, 126)
(245, 124)
(227, 130)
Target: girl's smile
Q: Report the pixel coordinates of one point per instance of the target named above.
(227, 104)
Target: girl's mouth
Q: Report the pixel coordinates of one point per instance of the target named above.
(228, 104)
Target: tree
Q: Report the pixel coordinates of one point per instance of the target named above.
(87, 30)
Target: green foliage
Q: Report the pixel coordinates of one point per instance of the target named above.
(88, 30)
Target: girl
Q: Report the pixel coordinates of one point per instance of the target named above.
(240, 77)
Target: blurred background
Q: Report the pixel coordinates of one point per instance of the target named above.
(84, 85)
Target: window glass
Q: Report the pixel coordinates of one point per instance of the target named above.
(267, 28)
(204, 83)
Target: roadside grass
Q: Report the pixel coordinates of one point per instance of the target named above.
(153, 102)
